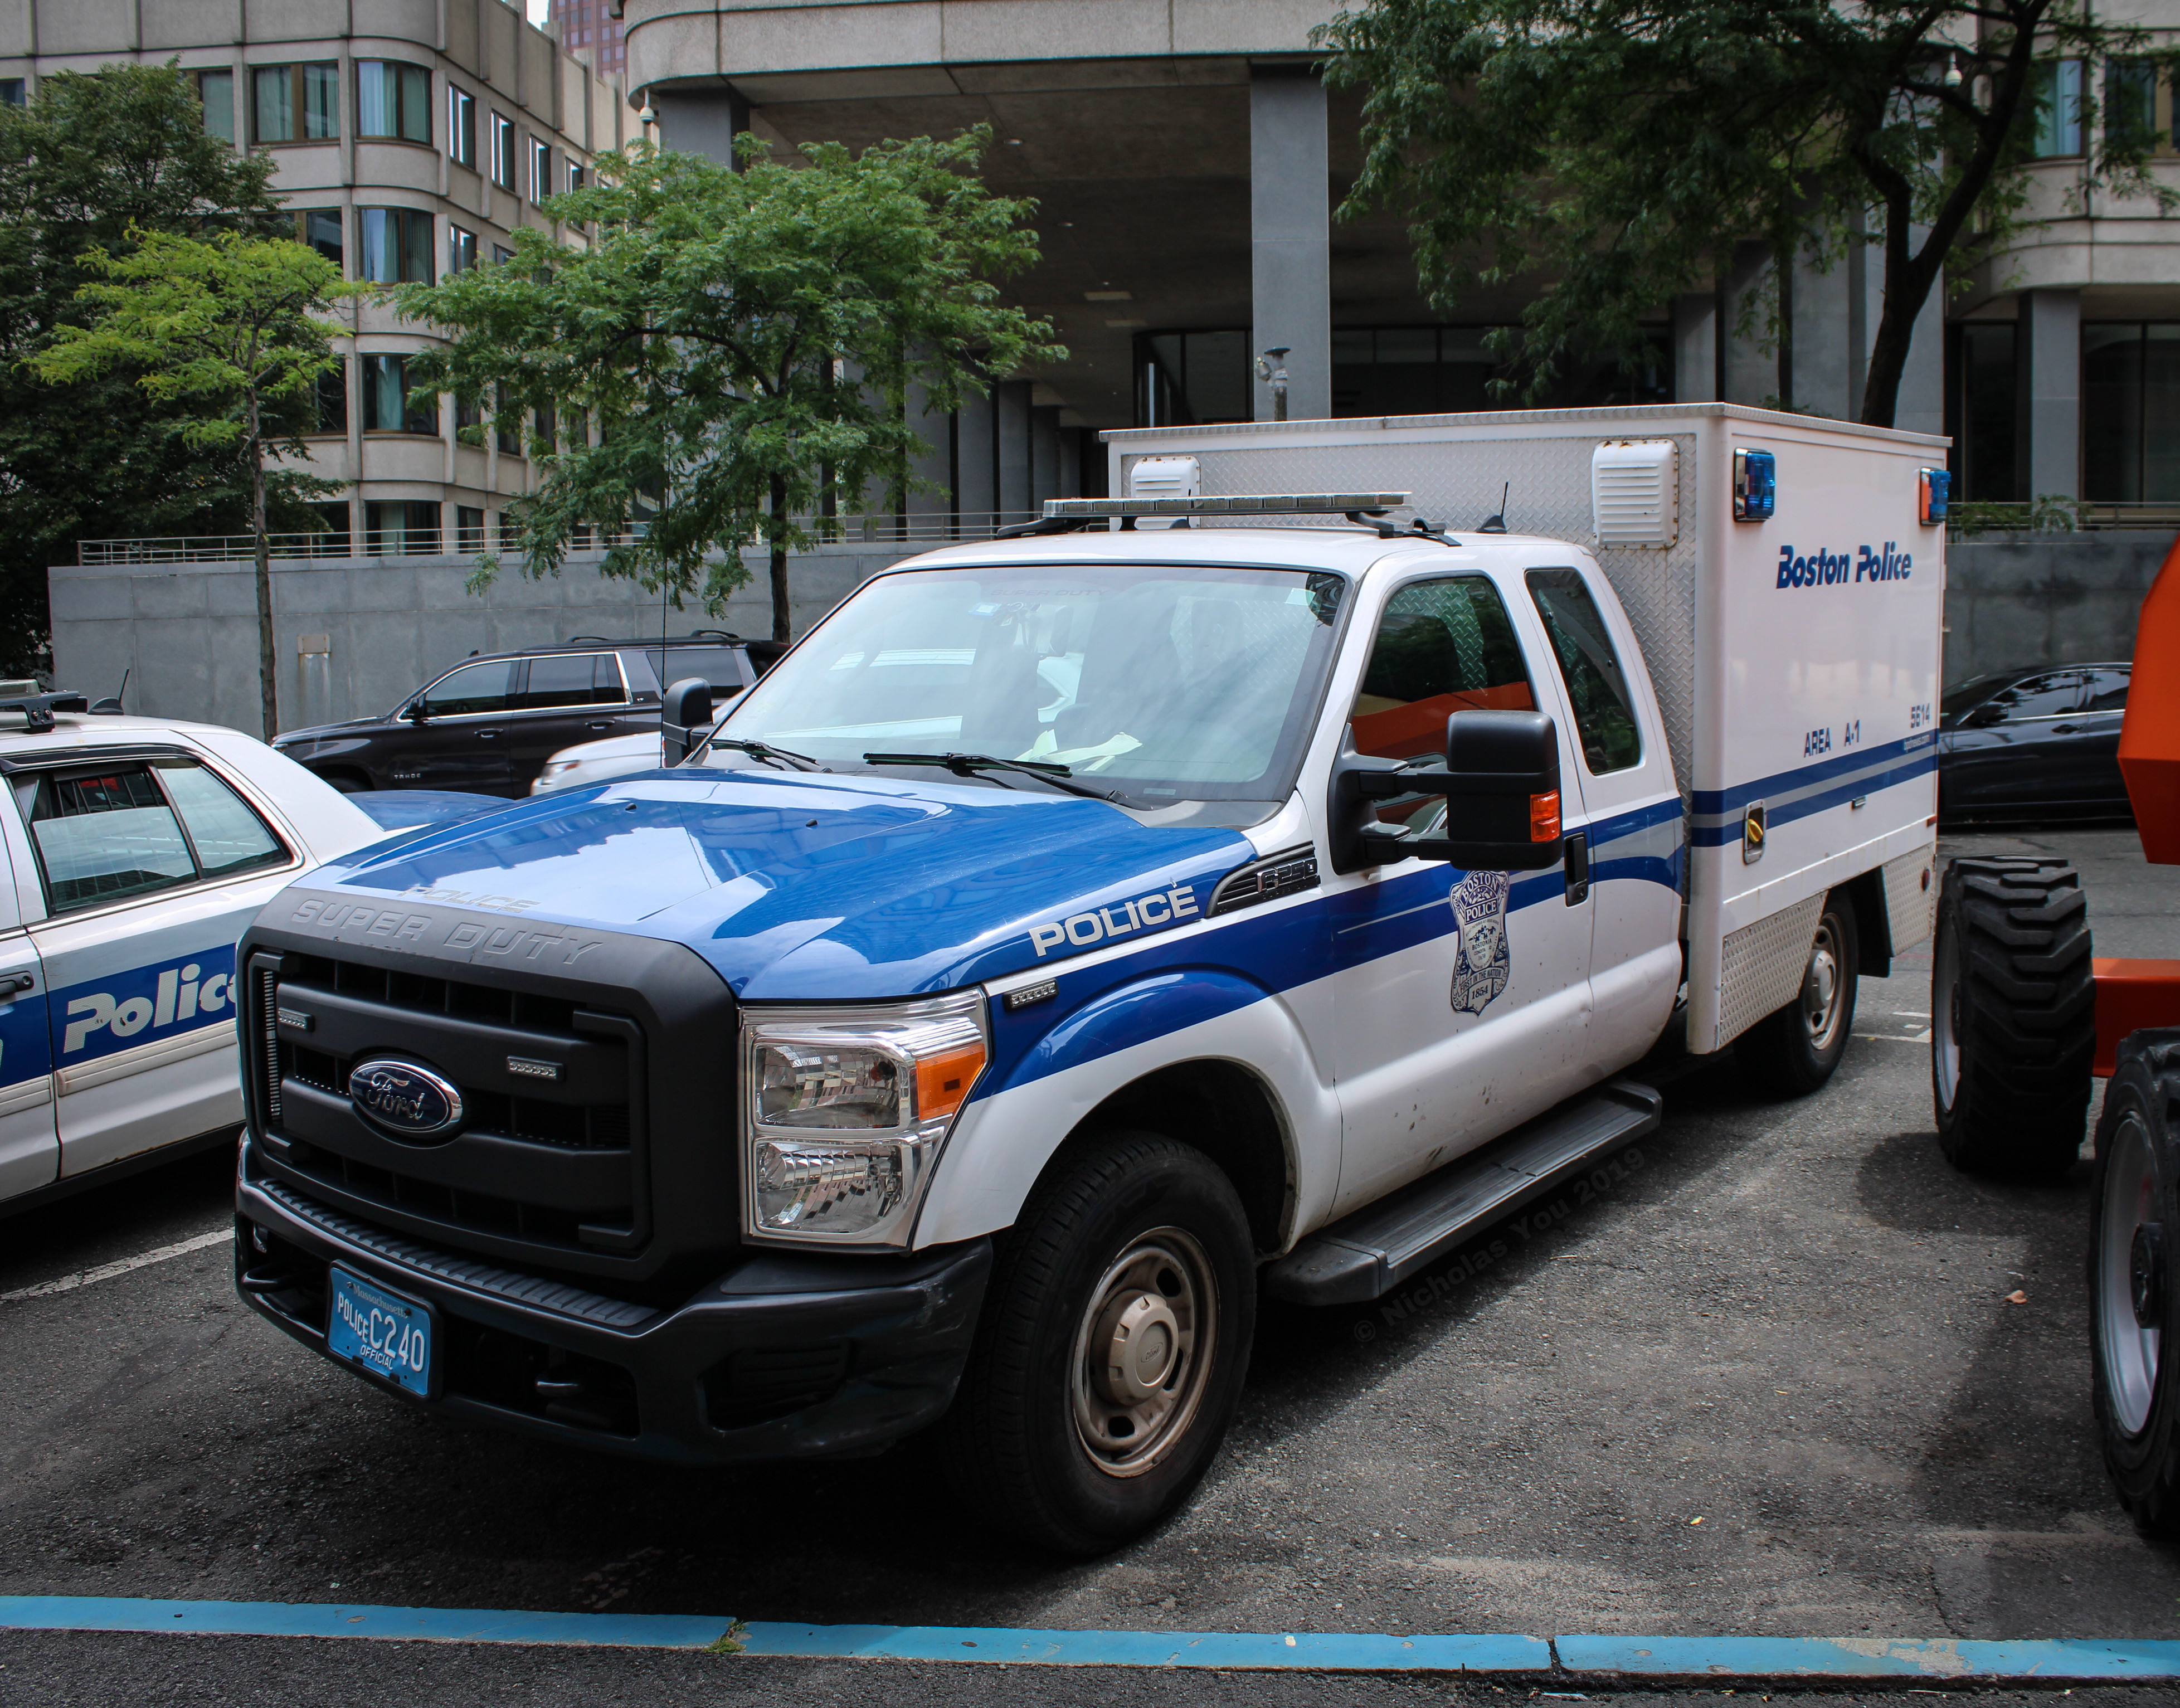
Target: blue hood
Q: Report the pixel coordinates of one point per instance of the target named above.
(803, 885)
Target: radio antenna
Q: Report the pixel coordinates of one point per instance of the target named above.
(1497, 525)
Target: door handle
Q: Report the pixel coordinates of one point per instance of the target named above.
(488, 734)
(2065, 729)
(1577, 869)
(12, 982)
(606, 725)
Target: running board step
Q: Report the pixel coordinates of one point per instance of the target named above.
(1365, 1255)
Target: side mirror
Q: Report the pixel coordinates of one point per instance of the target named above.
(686, 718)
(1985, 717)
(413, 713)
(1501, 784)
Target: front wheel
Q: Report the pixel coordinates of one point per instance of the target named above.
(1109, 1358)
(1794, 1051)
(2135, 1199)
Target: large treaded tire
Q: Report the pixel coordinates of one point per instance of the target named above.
(2014, 1024)
(1015, 1446)
(2134, 1283)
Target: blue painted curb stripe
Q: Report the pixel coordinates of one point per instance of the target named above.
(1364, 1652)
(349, 1619)
(1870, 1657)
(1583, 1658)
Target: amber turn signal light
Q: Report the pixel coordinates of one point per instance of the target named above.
(943, 1082)
(1545, 817)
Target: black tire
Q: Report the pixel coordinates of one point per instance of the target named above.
(1792, 1051)
(2013, 1020)
(1018, 1442)
(2134, 1283)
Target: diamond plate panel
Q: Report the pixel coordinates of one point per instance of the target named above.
(1761, 965)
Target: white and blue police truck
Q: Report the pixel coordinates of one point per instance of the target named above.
(133, 852)
(1257, 883)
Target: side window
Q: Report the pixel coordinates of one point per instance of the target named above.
(2108, 690)
(473, 688)
(1442, 647)
(585, 678)
(2052, 694)
(1596, 685)
(108, 834)
(715, 665)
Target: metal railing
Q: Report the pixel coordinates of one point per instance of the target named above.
(883, 529)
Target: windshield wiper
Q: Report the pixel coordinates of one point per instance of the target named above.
(968, 764)
(759, 749)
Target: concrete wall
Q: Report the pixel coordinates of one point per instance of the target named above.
(355, 635)
(2046, 599)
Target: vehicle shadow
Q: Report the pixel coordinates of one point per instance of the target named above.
(102, 1224)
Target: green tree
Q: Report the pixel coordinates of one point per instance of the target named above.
(227, 329)
(746, 343)
(1622, 149)
(89, 158)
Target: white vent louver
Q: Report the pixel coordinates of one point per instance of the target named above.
(1635, 492)
(1165, 478)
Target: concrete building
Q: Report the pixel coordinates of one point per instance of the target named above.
(411, 138)
(592, 30)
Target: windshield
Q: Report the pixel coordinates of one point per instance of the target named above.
(1162, 682)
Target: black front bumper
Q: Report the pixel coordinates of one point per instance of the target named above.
(788, 1355)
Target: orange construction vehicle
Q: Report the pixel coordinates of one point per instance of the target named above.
(2023, 1016)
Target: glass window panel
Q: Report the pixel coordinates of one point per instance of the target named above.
(419, 520)
(383, 394)
(469, 528)
(377, 98)
(472, 690)
(1442, 647)
(715, 665)
(2131, 103)
(2111, 413)
(580, 679)
(2161, 413)
(415, 246)
(14, 91)
(332, 399)
(2052, 694)
(227, 835)
(502, 151)
(321, 102)
(1596, 686)
(2058, 90)
(273, 103)
(1989, 389)
(321, 228)
(416, 120)
(378, 257)
(461, 250)
(541, 170)
(461, 125)
(105, 836)
(2108, 689)
(216, 89)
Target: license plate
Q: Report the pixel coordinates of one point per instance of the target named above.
(380, 1331)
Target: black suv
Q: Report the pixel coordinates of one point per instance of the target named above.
(489, 724)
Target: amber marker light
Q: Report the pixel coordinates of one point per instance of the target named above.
(943, 1082)
(1545, 817)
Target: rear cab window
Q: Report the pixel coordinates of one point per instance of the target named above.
(1598, 694)
(104, 832)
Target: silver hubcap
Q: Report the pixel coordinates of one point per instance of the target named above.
(2130, 1279)
(1946, 1019)
(1821, 987)
(1142, 1350)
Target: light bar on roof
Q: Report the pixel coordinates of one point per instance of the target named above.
(1240, 504)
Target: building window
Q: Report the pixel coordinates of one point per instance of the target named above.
(2131, 413)
(393, 526)
(295, 104)
(541, 169)
(395, 245)
(506, 423)
(510, 532)
(216, 89)
(501, 255)
(2131, 103)
(575, 177)
(387, 408)
(461, 249)
(469, 528)
(15, 93)
(502, 151)
(332, 399)
(2058, 92)
(321, 228)
(1430, 370)
(461, 126)
(392, 100)
(332, 540)
(547, 430)
(469, 421)
(1984, 400)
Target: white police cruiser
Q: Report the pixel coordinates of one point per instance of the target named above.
(133, 851)
(1080, 932)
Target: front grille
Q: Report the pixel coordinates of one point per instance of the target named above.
(550, 1159)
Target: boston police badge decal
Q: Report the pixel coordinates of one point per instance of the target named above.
(1481, 964)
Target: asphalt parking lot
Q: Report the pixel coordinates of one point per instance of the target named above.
(1769, 1382)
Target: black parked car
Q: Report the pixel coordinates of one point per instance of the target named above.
(489, 724)
(2028, 745)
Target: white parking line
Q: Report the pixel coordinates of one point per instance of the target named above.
(107, 1271)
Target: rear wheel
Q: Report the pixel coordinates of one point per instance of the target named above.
(2135, 1198)
(1110, 1356)
(1794, 1051)
(2012, 1015)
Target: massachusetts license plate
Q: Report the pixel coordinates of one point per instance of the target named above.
(382, 1331)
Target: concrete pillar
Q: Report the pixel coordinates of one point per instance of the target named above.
(1816, 372)
(2048, 346)
(1011, 426)
(701, 121)
(1044, 475)
(975, 464)
(1921, 407)
(1290, 236)
(1695, 348)
(1748, 375)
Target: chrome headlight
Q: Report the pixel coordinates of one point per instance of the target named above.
(844, 1112)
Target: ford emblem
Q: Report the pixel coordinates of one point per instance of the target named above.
(409, 1101)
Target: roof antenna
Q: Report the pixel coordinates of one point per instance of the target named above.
(1497, 525)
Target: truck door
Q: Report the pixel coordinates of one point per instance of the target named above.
(1462, 997)
(30, 1150)
(1630, 827)
(566, 699)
